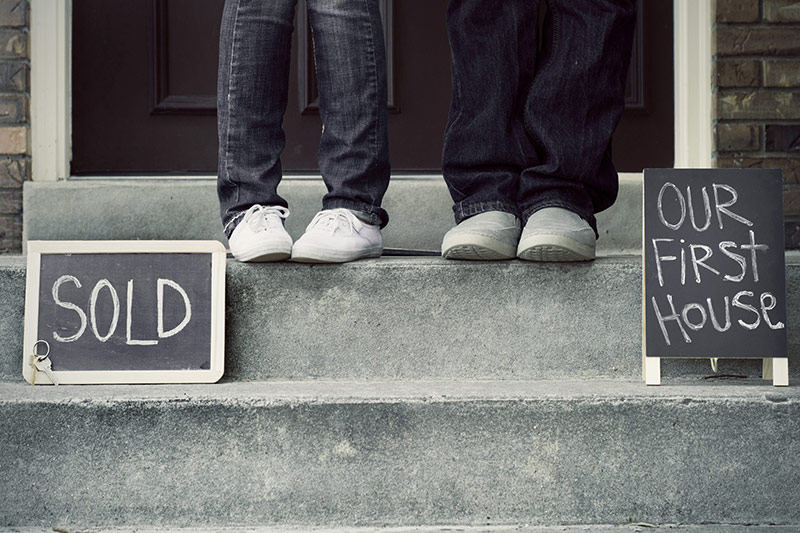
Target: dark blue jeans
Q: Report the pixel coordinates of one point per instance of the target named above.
(252, 93)
(530, 127)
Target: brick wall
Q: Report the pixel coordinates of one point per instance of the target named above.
(757, 93)
(15, 160)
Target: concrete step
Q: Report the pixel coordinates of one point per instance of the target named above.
(632, 527)
(420, 210)
(398, 454)
(428, 318)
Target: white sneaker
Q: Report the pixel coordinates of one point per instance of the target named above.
(489, 236)
(337, 236)
(260, 235)
(556, 234)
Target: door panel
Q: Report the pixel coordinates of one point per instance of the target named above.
(119, 55)
(645, 135)
(144, 80)
(184, 72)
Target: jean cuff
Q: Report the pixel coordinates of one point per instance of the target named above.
(464, 210)
(376, 215)
(231, 223)
(586, 215)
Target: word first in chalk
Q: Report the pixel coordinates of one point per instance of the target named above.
(124, 312)
(714, 264)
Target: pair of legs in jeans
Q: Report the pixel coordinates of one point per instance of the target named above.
(529, 128)
(529, 132)
(350, 58)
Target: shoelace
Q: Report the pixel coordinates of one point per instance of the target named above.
(329, 220)
(265, 218)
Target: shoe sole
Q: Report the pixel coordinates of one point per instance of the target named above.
(476, 248)
(308, 254)
(262, 255)
(554, 249)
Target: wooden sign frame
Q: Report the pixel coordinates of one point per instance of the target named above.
(773, 368)
(35, 250)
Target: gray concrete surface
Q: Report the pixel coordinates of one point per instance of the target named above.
(12, 316)
(420, 211)
(416, 439)
(398, 454)
(627, 528)
(427, 318)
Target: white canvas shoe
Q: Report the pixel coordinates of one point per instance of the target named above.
(337, 236)
(260, 235)
(489, 236)
(554, 234)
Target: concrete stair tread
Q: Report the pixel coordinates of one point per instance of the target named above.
(338, 392)
(633, 527)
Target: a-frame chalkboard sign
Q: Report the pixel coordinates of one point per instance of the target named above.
(124, 312)
(714, 281)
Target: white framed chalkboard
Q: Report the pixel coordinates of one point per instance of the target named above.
(714, 268)
(125, 311)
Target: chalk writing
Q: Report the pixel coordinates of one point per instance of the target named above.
(92, 315)
(710, 240)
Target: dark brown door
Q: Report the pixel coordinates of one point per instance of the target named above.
(144, 78)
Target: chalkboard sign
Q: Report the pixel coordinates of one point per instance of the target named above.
(714, 274)
(125, 311)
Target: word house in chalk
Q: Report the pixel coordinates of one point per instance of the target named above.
(714, 260)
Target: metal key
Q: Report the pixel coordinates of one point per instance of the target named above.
(42, 362)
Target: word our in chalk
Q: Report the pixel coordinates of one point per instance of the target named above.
(91, 320)
(721, 208)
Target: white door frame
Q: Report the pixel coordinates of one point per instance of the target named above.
(693, 84)
(51, 91)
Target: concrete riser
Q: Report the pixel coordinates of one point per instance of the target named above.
(420, 211)
(411, 319)
(244, 461)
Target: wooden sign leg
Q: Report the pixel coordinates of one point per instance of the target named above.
(652, 370)
(766, 368)
(776, 369)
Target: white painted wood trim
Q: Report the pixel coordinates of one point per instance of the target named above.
(766, 368)
(130, 247)
(777, 370)
(780, 372)
(652, 371)
(693, 84)
(51, 91)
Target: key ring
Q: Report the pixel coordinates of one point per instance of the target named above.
(41, 355)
